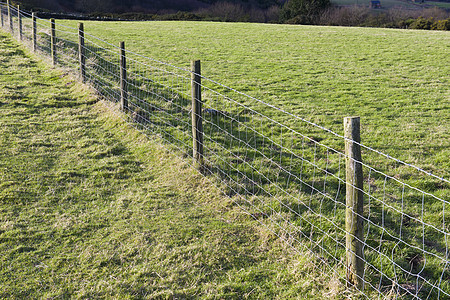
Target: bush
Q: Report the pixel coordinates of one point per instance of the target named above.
(344, 16)
(303, 11)
(422, 23)
(443, 24)
(272, 14)
(233, 12)
(405, 23)
(179, 16)
(430, 24)
(225, 12)
(431, 19)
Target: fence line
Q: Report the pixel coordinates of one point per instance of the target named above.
(289, 182)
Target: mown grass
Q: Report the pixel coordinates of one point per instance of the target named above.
(90, 208)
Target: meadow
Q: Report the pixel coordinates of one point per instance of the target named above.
(91, 208)
(388, 4)
(397, 81)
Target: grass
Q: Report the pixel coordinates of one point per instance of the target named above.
(396, 80)
(445, 5)
(388, 4)
(90, 208)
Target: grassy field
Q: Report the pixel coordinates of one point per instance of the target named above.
(388, 4)
(445, 5)
(90, 208)
(396, 80)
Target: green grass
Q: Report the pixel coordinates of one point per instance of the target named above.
(388, 4)
(396, 80)
(445, 5)
(91, 208)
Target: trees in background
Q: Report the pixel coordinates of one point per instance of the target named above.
(139, 6)
(430, 18)
(94, 5)
(236, 12)
(319, 12)
(303, 11)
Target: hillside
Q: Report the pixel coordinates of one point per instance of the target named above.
(401, 4)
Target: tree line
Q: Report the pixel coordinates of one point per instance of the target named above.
(309, 12)
(140, 6)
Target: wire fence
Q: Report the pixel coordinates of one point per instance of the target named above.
(280, 173)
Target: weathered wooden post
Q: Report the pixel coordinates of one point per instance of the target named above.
(197, 125)
(354, 203)
(81, 52)
(123, 78)
(34, 33)
(11, 26)
(19, 22)
(1, 15)
(53, 42)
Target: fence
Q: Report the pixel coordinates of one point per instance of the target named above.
(395, 242)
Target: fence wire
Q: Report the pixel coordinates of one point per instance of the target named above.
(281, 174)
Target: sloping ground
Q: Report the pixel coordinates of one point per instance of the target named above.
(388, 4)
(90, 208)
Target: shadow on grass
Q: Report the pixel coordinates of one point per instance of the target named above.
(282, 178)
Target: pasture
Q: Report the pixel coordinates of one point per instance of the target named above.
(397, 81)
(388, 4)
(90, 208)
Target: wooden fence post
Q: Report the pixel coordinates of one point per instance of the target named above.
(53, 42)
(1, 15)
(19, 23)
(123, 78)
(197, 125)
(354, 203)
(81, 52)
(34, 34)
(11, 26)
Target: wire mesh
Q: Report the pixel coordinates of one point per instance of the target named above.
(289, 181)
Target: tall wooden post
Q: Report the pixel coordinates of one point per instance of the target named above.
(197, 125)
(123, 78)
(81, 52)
(53, 42)
(354, 203)
(11, 26)
(34, 33)
(19, 22)
(1, 15)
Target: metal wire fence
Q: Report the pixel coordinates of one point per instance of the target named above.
(280, 173)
